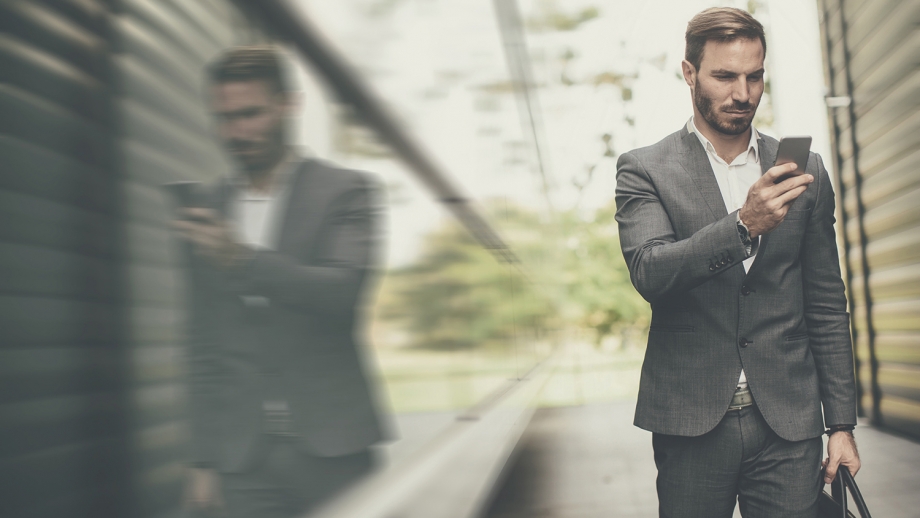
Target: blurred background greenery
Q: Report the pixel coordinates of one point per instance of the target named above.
(456, 323)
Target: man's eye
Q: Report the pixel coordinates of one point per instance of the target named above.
(755, 79)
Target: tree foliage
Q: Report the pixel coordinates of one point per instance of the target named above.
(596, 277)
(571, 273)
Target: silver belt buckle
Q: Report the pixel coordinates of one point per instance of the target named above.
(741, 399)
(277, 419)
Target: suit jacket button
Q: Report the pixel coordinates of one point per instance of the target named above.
(744, 342)
(745, 290)
(712, 267)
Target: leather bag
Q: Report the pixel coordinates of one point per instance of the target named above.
(834, 505)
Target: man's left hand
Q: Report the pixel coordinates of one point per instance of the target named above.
(841, 449)
(211, 236)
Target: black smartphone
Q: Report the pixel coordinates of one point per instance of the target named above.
(793, 149)
(186, 195)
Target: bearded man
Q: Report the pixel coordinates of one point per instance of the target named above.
(749, 336)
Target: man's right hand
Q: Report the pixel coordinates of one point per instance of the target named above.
(202, 491)
(767, 202)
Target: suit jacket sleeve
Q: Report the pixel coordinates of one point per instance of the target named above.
(825, 308)
(332, 282)
(659, 264)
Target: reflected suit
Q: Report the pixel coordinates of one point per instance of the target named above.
(283, 327)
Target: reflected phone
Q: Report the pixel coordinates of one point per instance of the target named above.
(186, 195)
(793, 149)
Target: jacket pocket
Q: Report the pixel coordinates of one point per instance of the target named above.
(792, 338)
(671, 328)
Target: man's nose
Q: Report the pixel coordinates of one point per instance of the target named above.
(741, 92)
(232, 129)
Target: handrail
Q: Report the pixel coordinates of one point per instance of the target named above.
(293, 25)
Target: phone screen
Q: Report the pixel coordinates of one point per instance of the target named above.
(793, 149)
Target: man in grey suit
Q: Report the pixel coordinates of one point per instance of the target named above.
(283, 411)
(749, 335)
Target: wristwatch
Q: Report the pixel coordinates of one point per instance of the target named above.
(744, 234)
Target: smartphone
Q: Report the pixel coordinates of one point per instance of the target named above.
(186, 195)
(793, 149)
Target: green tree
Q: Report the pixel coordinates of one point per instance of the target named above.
(598, 289)
(458, 295)
(571, 273)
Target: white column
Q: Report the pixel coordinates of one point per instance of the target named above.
(796, 71)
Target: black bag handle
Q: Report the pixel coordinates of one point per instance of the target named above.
(850, 483)
(843, 481)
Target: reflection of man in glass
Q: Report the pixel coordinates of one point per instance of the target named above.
(283, 413)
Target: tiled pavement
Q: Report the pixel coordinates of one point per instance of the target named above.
(589, 461)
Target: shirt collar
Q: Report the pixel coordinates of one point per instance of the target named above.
(282, 175)
(707, 145)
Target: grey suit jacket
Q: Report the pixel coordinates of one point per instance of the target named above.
(284, 327)
(785, 320)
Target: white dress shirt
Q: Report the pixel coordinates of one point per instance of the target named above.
(256, 214)
(734, 179)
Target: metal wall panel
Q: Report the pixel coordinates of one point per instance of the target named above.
(62, 405)
(872, 57)
(100, 104)
(160, 50)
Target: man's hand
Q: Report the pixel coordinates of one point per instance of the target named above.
(202, 490)
(767, 202)
(211, 236)
(841, 449)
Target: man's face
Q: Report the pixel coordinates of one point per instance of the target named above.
(250, 121)
(728, 85)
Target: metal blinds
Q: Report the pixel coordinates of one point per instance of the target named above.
(872, 53)
(100, 104)
(62, 406)
(159, 51)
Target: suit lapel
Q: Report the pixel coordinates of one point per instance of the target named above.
(696, 163)
(767, 152)
(303, 211)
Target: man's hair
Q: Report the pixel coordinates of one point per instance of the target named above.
(251, 63)
(721, 24)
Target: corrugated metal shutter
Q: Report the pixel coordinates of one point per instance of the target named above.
(101, 102)
(62, 407)
(872, 55)
(160, 49)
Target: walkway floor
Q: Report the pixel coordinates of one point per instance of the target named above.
(590, 462)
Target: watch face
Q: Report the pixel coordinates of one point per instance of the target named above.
(743, 231)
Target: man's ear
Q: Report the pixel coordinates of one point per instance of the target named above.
(689, 72)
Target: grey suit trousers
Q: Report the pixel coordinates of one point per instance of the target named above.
(700, 477)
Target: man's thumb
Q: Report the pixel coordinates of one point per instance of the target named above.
(831, 472)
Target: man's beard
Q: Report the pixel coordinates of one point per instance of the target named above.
(267, 153)
(731, 126)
